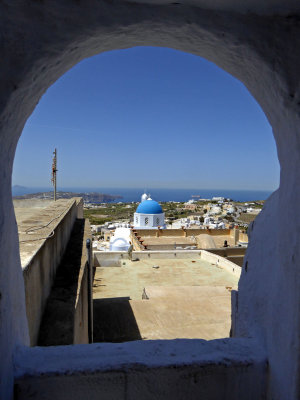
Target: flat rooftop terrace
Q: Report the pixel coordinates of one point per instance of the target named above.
(184, 298)
(184, 241)
(151, 240)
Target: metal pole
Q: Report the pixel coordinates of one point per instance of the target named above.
(90, 291)
(55, 164)
(54, 170)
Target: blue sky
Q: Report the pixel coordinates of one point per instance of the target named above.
(148, 117)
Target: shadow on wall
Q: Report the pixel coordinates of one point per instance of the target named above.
(58, 322)
(114, 321)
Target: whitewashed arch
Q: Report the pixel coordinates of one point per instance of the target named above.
(258, 43)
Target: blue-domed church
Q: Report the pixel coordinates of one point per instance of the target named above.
(149, 214)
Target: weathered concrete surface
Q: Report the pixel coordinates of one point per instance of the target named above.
(20, 204)
(184, 312)
(36, 224)
(258, 43)
(194, 300)
(131, 277)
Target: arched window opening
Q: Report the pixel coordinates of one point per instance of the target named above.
(214, 166)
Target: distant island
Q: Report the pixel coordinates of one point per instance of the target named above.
(19, 187)
(91, 197)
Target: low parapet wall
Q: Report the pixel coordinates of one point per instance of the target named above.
(221, 262)
(229, 251)
(110, 258)
(186, 232)
(160, 247)
(137, 245)
(231, 369)
(39, 272)
(114, 258)
(234, 254)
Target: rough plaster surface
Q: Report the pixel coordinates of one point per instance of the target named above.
(175, 369)
(108, 356)
(258, 43)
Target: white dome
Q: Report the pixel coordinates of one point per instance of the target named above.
(119, 244)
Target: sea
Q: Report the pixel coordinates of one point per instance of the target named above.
(134, 194)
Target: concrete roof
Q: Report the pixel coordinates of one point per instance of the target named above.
(189, 298)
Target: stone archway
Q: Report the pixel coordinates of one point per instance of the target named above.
(258, 44)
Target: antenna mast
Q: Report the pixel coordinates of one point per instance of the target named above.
(54, 170)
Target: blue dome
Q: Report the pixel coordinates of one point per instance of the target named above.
(149, 207)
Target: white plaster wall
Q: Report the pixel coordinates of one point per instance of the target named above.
(268, 297)
(41, 40)
(139, 220)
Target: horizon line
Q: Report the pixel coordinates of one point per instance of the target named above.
(137, 188)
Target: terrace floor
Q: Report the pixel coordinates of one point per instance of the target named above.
(172, 241)
(184, 298)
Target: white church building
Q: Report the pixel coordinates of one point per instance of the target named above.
(149, 214)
